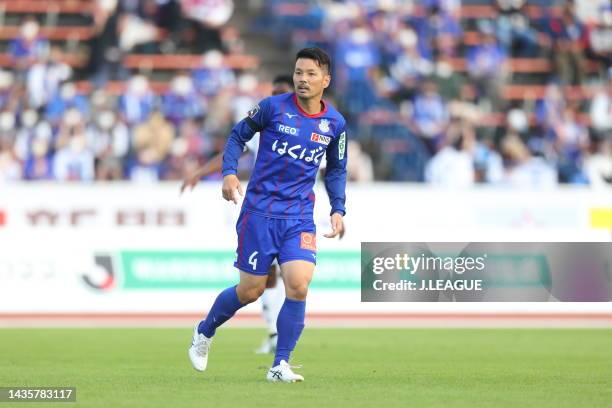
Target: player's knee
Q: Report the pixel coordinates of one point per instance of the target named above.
(298, 291)
(249, 294)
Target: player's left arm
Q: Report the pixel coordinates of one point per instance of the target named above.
(335, 182)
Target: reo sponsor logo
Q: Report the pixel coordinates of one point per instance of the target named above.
(287, 129)
(315, 137)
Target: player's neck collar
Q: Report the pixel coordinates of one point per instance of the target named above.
(303, 112)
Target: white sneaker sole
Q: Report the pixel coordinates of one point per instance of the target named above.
(274, 379)
(287, 382)
(193, 356)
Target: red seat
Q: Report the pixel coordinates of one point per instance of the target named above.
(75, 61)
(171, 62)
(51, 33)
(45, 6)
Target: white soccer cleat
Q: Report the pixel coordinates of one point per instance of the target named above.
(268, 346)
(198, 352)
(283, 373)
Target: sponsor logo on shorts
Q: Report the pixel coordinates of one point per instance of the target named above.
(315, 137)
(308, 241)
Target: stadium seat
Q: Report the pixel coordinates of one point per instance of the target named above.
(534, 92)
(488, 11)
(52, 33)
(178, 62)
(43, 7)
(522, 65)
(73, 60)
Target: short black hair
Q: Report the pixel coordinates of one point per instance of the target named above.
(283, 79)
(317, 55)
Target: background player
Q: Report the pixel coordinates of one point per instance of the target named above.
(273, 297)
(276, 220)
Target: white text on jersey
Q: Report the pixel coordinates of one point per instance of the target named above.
(297, 152)
(287, 129)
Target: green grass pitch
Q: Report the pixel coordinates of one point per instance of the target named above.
(342, 368)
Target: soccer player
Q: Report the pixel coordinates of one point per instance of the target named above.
(281, 84)
(276, 220)
(273, 296)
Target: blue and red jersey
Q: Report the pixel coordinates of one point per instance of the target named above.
(292, 144)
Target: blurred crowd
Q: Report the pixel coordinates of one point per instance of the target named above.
(53, 128)
(156, 26)
(426, 87)
(423, 88)
(137, 135)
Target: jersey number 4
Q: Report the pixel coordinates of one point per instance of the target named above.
(253, 260)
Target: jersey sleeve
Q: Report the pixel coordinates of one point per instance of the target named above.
(242, 132)
(335, 175)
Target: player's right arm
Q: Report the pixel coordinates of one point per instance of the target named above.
(256, 121)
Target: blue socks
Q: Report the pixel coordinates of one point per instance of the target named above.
(290, 324)
(222, 310)
(290, 321)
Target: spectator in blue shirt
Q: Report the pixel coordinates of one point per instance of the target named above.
(568, 37)
(25, 48)
(485, 66)
(438, 33)
(356, 56)
(409, 68)
(38, 164)
(514, 29)
(549, 110)
(67, 98)
(430, 117)
(182, 101)
(137, 103)
(570, 140)
(213, 76)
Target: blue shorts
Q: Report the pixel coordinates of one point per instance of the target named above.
(261, 239)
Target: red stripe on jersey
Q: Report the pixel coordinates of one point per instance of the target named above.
(303, 112)
(241, 237)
